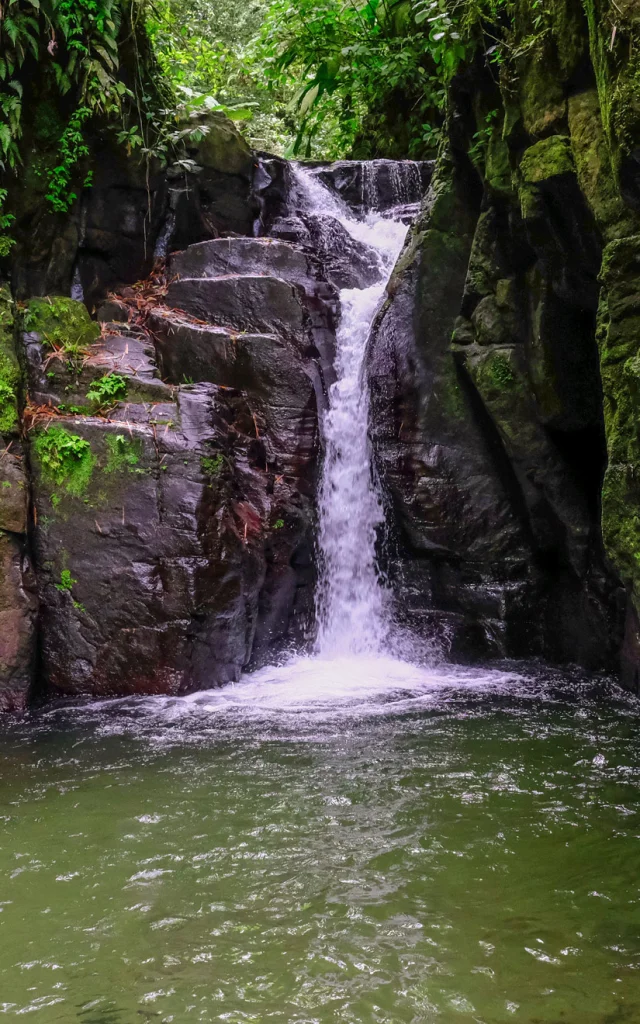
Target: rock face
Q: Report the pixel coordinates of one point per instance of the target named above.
(503, 365)
(131, 214)
(159, 463)
(173, 518)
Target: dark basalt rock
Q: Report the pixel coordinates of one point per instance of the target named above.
(377, 184)
(246, 256)
(282, 287)
(493, 509)
(181, 541)
(253, 302)
(133, 213)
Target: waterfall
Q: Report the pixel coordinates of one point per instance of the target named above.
(352, 604)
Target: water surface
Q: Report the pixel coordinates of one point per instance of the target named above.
(345, 841)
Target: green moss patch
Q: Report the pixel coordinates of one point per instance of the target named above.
(9, 368)
(62, 323)
(9, 380)
(547, 159)
(66, 460)
(212, 465)
(123, 454)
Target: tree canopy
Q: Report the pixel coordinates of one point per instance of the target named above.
(308, 78)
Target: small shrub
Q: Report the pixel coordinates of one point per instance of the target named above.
(279, 523)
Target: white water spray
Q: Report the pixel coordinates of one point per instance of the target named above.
(352, 605)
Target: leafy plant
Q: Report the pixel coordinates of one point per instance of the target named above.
(9, 378)
(211, 465)
(66, 459)
(71, 150)
(77, 44)
(481, 138)
(6, 220)
(66, 581)
(108, 390)
(123, 454)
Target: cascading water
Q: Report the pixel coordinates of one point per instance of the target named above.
(353, 614)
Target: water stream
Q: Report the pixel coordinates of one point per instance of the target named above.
(353, 614)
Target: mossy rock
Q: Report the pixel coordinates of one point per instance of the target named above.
(62, 324)
(65, 459)
(618, 335)
(223, 148)
(546, 159)
(497, 164)
(594, 168)
(541, 95)
(9, 366)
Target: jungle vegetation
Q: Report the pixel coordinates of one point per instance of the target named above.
(307, 78)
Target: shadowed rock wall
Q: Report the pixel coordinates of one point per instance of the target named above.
(503, 365)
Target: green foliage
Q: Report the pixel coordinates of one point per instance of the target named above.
(6, 220)
(279, 523)
(76, 44)
(71, 150)
(212, 465)
(347, 60)
(482, 138)
(108, 390)
(66, 582)
(206, 50)
(123, 454)
(66, 459)
(9, 378)
(62, 323)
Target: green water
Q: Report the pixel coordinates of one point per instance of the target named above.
(469, 854)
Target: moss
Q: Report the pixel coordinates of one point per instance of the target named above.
(546, 159)
(618, 336)
(498, 369)
(616, 63)
(9, 367)
(48, 126)
(541, 95)
(62, 323)
(450, 394)
(66, 460)
(497, 164)
(9, 380)
(594, 168)
(123, 454)
(212, 465)
(621, 521)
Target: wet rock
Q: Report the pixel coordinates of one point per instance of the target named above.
(17, 623)
(254, 301)
(14, 490)
(377, 184)
(113, 311)
(492, 503)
